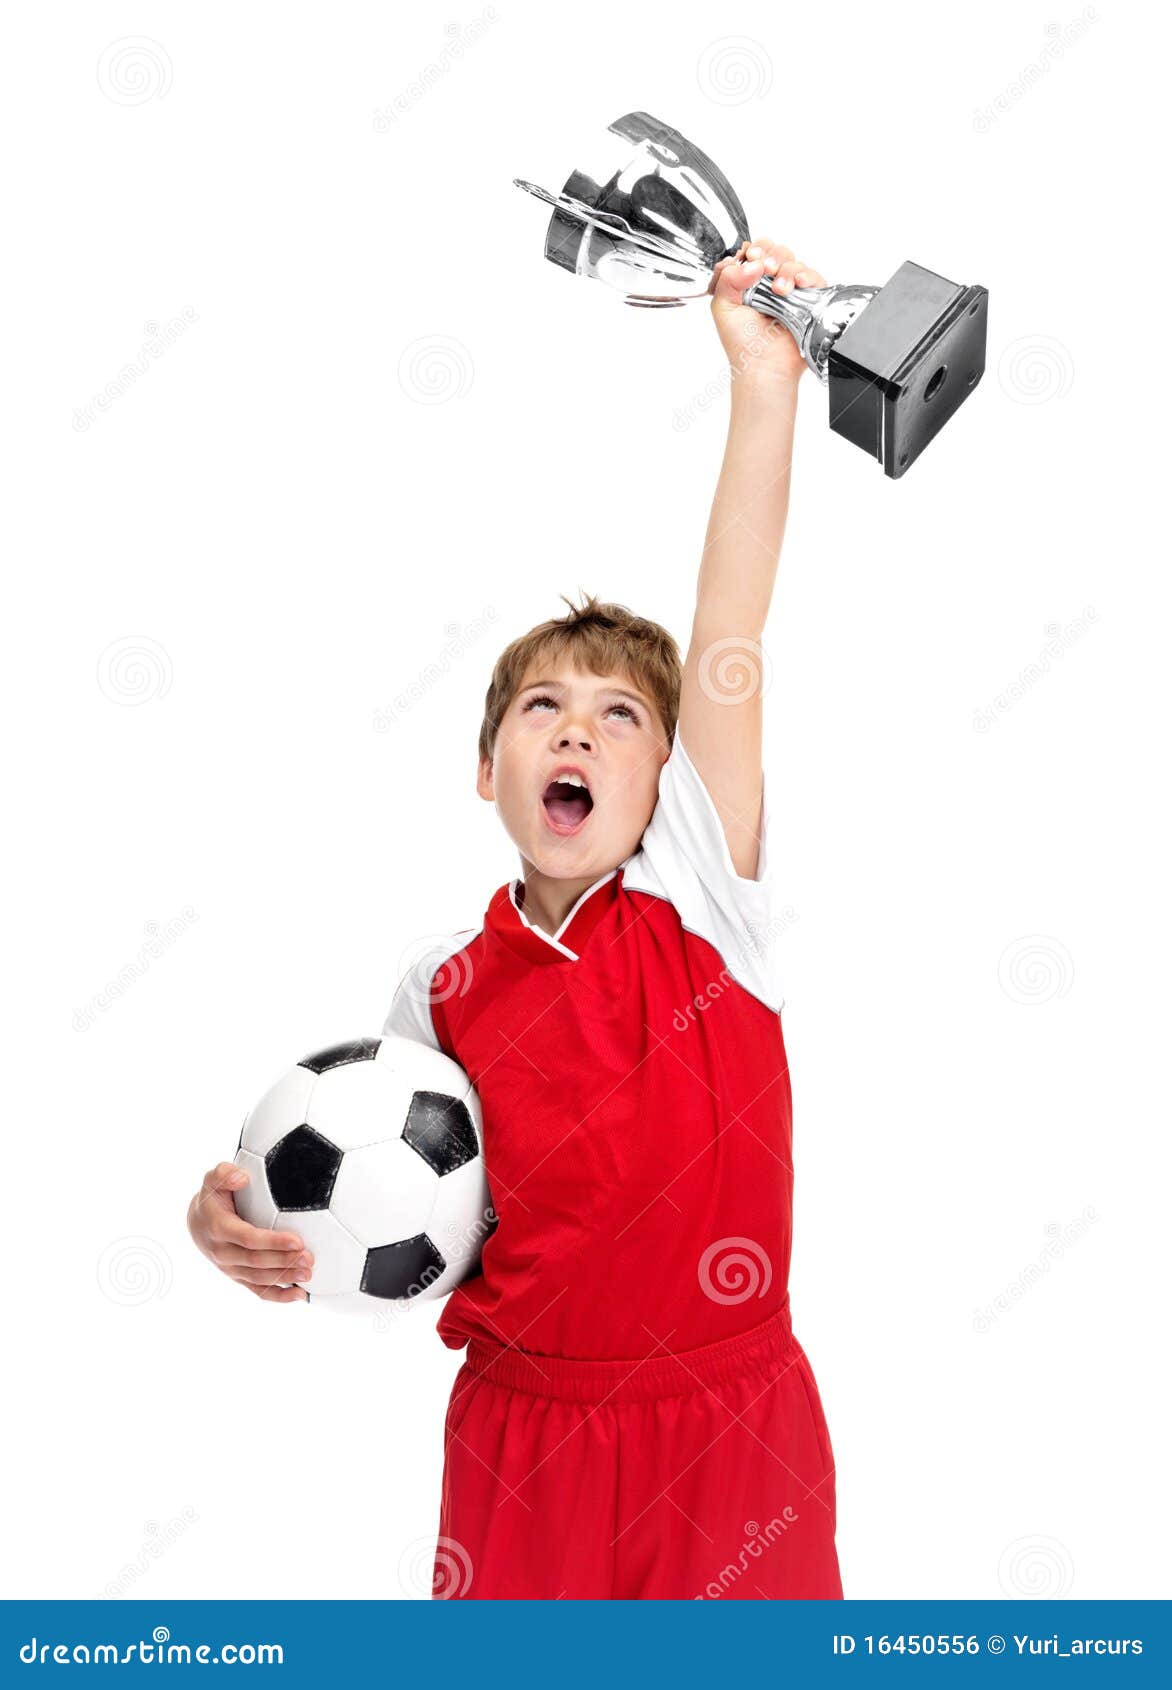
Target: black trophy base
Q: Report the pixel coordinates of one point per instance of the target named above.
(906, 363)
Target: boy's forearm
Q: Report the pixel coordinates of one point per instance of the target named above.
(747, 524)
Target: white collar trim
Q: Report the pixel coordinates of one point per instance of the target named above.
(554, 939)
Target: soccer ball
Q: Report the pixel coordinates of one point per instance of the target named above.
(373, 1153)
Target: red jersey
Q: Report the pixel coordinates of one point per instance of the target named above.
(635, 1096)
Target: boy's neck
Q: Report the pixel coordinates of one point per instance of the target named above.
(546, 901)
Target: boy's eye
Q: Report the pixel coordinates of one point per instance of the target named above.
(544, 698)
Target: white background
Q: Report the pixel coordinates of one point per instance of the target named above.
(295, 510)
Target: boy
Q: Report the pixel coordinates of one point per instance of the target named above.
(633, 1417)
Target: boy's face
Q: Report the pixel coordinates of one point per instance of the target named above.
(602, 735)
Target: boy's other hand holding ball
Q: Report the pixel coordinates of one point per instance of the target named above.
(264, 1262)
(755, 344)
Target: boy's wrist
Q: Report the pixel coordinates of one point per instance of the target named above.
(753, 382)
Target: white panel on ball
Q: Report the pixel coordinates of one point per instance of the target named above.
(356, 1104)
(281, 1109)
(461, 1218)
(338, 1257)
(422, 1068)
(254, 1201)
(384, 1191)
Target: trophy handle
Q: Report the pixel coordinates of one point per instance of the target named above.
(814, 316)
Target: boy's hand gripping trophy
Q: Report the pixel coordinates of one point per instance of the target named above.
(898, 360)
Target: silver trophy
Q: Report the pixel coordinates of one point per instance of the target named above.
(898, 359)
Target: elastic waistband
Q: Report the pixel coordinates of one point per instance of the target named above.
(575, 1380)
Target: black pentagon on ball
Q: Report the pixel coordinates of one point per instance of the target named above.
(403, 1269)
(440, 1129)
(302, 1169)
(337, 1056)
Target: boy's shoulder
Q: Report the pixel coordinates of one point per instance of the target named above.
(410, 1014)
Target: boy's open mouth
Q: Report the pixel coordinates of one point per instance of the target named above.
(567, 803)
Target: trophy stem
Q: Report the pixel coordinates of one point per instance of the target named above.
(814, 316)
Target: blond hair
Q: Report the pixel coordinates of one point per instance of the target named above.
(604, 639)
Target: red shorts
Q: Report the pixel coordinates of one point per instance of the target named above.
(705, 1474)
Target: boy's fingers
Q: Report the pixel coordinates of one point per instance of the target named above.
(225, 1176)
(784, 279)
(232, 1256)
(278, 1293)
(233, 1230)
(735, 278)
(270, 1276)
(721, 264)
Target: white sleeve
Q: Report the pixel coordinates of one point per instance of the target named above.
(409, 1016)
(684, 857)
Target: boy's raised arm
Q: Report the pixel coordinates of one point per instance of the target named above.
(720, 700)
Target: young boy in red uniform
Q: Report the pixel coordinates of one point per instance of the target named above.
(634, 1417)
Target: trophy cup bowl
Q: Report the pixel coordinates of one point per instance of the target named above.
(655, 220)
